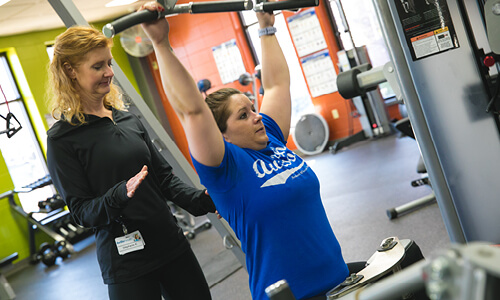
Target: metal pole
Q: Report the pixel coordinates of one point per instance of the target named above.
(415, 113)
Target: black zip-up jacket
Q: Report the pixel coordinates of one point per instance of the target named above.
(90, 165)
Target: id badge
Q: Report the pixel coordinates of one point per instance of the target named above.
(130, 243)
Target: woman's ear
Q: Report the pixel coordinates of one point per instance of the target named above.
(69, 70)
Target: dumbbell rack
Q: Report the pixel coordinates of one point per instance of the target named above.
(34, 224)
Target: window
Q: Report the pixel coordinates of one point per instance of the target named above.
(357, 19)
(22, 153)
(50, 51)
(301, 100)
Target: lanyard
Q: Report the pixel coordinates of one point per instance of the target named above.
(124, 228)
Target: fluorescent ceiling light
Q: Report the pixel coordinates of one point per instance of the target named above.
(115, 2)
(2, 2)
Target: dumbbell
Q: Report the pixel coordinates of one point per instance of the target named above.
(66, 233)
(46, 255)
(52, 203)
(56, 202)
(77, 229)
(61, 249)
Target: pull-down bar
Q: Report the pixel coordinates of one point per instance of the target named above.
(115, 27)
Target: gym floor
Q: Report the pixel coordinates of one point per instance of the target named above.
(359, 183)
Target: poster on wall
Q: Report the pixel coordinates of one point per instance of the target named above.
(228, 60)
(320, 73)
(427, 26)
(306, 32)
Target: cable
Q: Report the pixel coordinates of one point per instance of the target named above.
(10, 128)
(5, 97)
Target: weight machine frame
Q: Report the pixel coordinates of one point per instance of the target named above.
(461, 272)
(34, 224)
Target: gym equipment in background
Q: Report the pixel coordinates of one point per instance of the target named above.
(6, 291)
(464, 271)
(115, 27)
(56, 222)
(135, 42)
(392, 256)
(492, 20)
(12, 124)
(311, 134)
(369, 103)
(187, 222)
(204, 85)
(71, 231)
(246, 79)
(171, 8)
(46, 254)
(404, 126)
(447, 87)
(51, 203)
(358, 81)
(385, 260)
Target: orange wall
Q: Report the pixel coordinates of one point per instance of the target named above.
(192, 38)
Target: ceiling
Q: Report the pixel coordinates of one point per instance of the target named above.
(21, 16)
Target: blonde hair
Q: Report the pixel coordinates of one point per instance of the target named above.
(70, 48)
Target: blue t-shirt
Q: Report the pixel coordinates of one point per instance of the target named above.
(271, 199)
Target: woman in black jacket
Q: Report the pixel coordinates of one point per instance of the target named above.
(114, 180)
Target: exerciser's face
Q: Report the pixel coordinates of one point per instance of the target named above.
(94, 74)
(244, 126)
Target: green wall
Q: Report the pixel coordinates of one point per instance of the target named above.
(30, 49)
(13, 230)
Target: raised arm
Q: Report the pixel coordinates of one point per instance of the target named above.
(275, 78)
(204, 138)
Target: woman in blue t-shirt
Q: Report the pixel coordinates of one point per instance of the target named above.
(268, 194)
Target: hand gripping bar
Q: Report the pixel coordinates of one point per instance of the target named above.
(117, 26)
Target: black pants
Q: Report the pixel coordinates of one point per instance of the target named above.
(181, 279)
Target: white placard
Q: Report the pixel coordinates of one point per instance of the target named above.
(306, 32)
(320, 73)
(228, 60)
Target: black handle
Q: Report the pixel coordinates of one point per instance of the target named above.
(117, 26)
(221, 6)
(285, 5)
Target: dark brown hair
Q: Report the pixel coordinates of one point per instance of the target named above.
(218, 103)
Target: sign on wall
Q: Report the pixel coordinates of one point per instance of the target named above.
(306, 32)
(320, 73)
(228, 60)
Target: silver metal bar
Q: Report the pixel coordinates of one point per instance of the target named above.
(371, 78)
(68, 12)
(416, 115)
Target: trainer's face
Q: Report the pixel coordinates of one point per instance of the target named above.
(244, 126)
(93, 76)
